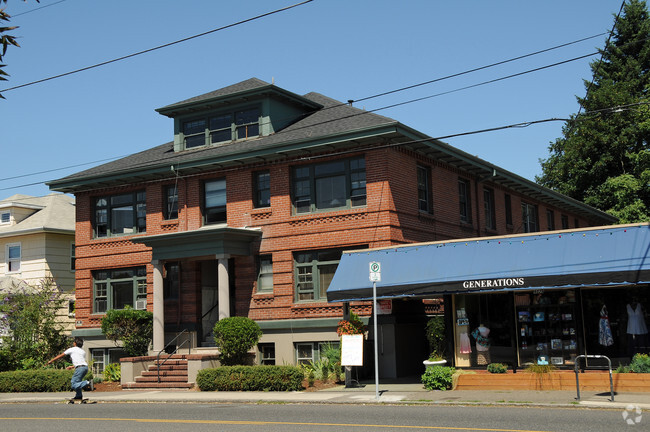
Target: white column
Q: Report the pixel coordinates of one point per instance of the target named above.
(158, 307)
(223, 287)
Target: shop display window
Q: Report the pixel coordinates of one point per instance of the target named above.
(547, 327)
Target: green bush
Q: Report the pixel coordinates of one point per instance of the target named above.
(497, 368)
(640, 363)
(113, 372)
(435, 331)
(133, 327)
(438, 377)
(40, 380)
(250, 378)
(235, 336)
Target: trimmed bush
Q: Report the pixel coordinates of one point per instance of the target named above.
(497, 368)
(235, 336)
(40, 380)
(438, 377)
(250, 378)
(640, 363)
(133, 327)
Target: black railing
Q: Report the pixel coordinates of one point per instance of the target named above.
(186, 341)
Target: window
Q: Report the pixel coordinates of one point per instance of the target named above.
(117, 288)
(265, 273)
(488, 203)
(101, 357)
(529, 217)
(121, 214)
(215, 201)
(71, 308)
(329, 185)
(313, 351)
(424, 192)
(171, 202)
(314, 271)
(73, 257)
(267, 353)
(576, 223)
(5, 217)
(508, 210)
(262, 192)
(565, 221)
(172, 281)
(550, 220)
(464, 199)
(222, 127)
(13, 254)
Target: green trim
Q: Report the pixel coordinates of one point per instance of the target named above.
(92, 332)
(303, 324)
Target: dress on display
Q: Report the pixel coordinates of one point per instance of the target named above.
(465, 345)
(482, 345)
(605, 337)
(635, 320)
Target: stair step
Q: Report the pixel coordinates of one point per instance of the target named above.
(169, 379)
(165, 373)
(156, 385)
(168, 367)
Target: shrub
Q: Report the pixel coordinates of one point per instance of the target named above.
(133, 327)
(41, 380)
(640, 363)
(540, 369)
(235, 336)
(113, 372)
(438, 377)
(250, 378)
(497, 368)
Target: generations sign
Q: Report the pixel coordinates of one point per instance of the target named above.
(494, 283)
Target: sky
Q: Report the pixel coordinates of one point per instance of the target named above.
(344, 49)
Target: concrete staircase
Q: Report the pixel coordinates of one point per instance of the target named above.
(173, 375)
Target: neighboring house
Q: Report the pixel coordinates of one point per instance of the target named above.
(37, 243)
(247, 211)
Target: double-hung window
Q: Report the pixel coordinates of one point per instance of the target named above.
(329, 185)
(121, 214)
(314, 271)
(464, 201)
(222, 127)
(171, 202)
(564, 219)
(529, 217)
(265, 273)
(214, 199)
(550, 219)
(262, 189)
(13, 253)
(490, 213)
(267, 353)
(118, 288)
(424, 191)
(508, 201)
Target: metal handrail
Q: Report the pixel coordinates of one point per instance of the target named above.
(577, 366)
(175, 350)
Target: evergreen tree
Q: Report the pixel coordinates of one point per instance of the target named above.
(603, 158)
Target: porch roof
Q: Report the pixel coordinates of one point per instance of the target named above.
(613, 255)
(206, 241)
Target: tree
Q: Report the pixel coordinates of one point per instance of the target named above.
(235, 336)
(34, 334)
(603, 158)
(133, 327)
(6, 40)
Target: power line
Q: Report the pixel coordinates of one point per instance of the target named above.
(60, 169)
(36, 9)
(158, 47)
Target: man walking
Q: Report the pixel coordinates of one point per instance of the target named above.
(78, 357)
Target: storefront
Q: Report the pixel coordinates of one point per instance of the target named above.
(535, 298)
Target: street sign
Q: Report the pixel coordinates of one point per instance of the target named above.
(375, 271)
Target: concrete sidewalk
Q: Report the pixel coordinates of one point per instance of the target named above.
(389, 393)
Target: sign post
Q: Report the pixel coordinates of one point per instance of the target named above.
(375, 276)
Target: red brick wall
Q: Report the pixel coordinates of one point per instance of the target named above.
(390, 217)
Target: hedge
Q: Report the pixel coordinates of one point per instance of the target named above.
(250, 378)
(39, 380)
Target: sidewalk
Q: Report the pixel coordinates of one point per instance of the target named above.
(389, 393)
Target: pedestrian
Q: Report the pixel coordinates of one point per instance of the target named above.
(78, 357)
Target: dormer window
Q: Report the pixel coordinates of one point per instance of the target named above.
(5, 217)
(222, 127)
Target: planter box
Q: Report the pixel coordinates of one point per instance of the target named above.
(559, 380)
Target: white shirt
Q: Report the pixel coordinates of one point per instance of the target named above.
(77, 355)
(635, 322)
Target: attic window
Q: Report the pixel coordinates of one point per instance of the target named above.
(5, 217)
(222, 127)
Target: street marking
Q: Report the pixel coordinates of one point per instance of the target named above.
(261, 423)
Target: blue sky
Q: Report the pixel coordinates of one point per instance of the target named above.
(341, 48)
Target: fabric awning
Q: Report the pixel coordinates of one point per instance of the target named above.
(614, 255)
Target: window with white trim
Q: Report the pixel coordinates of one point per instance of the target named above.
(73, 257)
(13, 255)
(5, 217)
(118, 288)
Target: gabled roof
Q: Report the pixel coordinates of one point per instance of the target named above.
(53, 213)
(328, 126)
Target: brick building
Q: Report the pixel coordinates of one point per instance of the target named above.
(247, 210)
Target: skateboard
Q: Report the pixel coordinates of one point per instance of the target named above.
(81, 401)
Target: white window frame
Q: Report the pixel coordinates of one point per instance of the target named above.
(9, 260)
(6, 214)
(73, 257)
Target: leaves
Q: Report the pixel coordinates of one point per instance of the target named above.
(133, 327)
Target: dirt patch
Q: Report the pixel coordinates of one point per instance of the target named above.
(107, 386)
(319, 385)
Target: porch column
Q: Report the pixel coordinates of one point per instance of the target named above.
(223, 286)
(158, 307)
